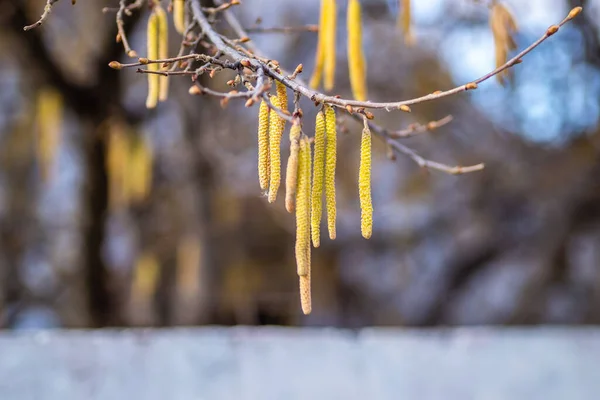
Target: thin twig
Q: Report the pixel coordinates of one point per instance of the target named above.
(45, 14)
(283, 29)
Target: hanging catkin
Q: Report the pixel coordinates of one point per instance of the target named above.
(275, 132)
(356, 58)
(316, 201)
(163, 50)
(404, 21)
(303, 224)
(277, 126)
(364, 183)
(305, 295)
(330, 46)
(317, 75)
(303, 209)
(291, 175)
(152, 43)
(503, 27)
(179, 16)
(325, 56)
(263, 145)
(330, 165)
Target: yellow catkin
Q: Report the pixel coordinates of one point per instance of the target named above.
(163, 50)
(179, 16)
(315, 79)
(329, 45)
(503, 26)
(330, 165)
(404, 21)
(263, 145)
(282, 96)
(116, 165)
(49, 110)
(356, 58)
(139, 169)
(153, 79)
(364, 184)
(316, 201)
(276, 127)
(305, 294)
(291, 175)
(303, 209)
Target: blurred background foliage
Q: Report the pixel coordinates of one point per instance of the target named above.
(112, 215)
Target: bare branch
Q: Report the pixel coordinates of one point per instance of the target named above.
(45, 14)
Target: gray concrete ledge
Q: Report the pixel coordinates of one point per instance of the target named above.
(290, 364)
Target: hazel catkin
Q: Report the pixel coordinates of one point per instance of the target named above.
(152, 44)
(356, 58)
(263, 145)
(291, 175)
(303, 209)
(330, 166)
(316, 201)
(364, 184)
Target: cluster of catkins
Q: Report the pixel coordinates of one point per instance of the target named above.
(310, 173)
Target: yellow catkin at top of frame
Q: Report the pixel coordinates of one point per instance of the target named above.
(291, 175)
(316, 201)
(330, 165)
(263, 145)
(364, 184)
(503, 26)
(356, 59)
(179, 16)
(303, 209)
(329, 44)
(315, 79)
(404, 21)
(163, 50)
(152, 54)
(276, 128)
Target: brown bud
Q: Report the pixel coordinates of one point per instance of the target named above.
(552, 30)
(349, 109)
(298, 69)
(437, 92)
(471, 86)
(224, 102)
(244, 39)
(246, 63)
(249, 103)
(405, 108)
(368, 114)
(132, 54)
(194, 90)
(143, 60)
(115, 65)
(118, 38)
(212, 73)
(231, 82)
(574, 12)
